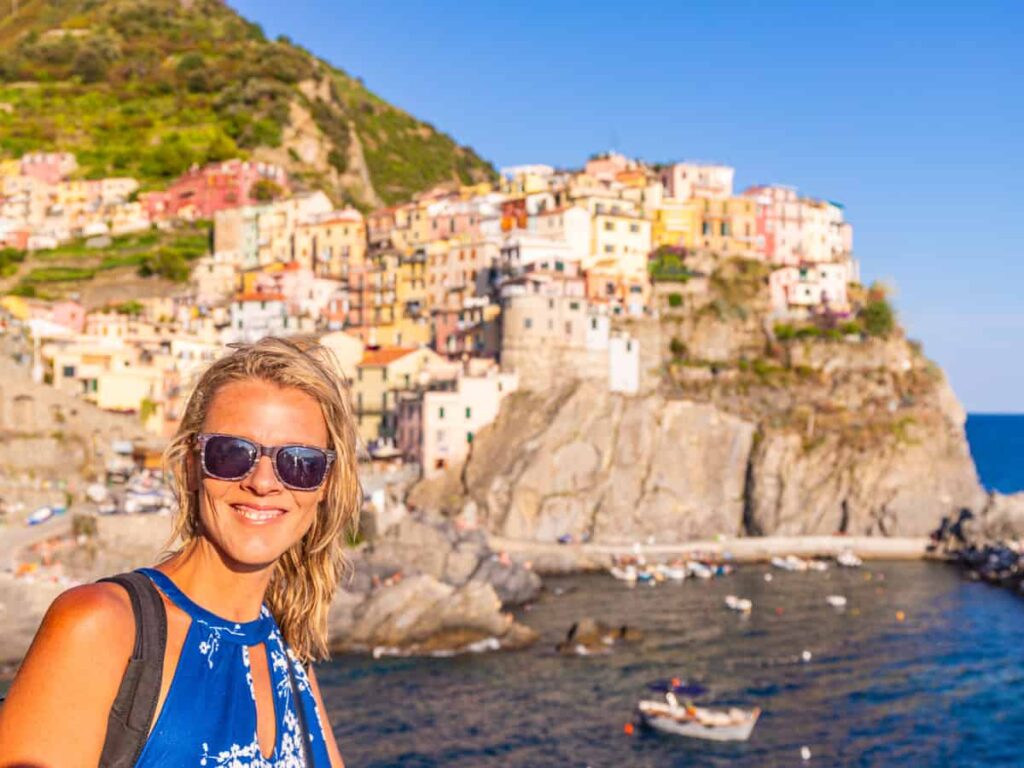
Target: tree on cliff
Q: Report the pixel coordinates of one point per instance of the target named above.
(878, 316)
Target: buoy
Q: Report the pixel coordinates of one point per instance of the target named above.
(767, 577)
(628, 729)
(778, 611)
(805, 656)
(805, 753)
(900, 615)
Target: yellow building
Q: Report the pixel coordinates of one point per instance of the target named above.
(620, 242)
(728, 226)
(331, 243)
(675, 223)
(380, 376)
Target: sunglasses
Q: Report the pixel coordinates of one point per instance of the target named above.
(228, 457)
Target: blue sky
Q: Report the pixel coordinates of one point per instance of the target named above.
(911, 116)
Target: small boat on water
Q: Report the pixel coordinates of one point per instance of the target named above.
(685, 719)
(699, 570)
(817, 565)
(673, 572)
(847, 559)
(739, 604)
(790, 563)
(624, 573)
(836, 601)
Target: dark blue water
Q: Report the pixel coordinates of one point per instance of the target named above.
(997, 444)
(939, 688)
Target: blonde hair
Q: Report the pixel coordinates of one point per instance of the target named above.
(305, 577)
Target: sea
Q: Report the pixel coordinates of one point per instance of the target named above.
(921, 668)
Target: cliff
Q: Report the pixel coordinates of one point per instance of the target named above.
(734, 431)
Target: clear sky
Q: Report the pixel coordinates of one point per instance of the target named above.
(911, 116)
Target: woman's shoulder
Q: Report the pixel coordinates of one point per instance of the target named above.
(91, 613)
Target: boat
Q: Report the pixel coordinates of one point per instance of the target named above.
(847, 559)
(673, 572)
(40, 516)
(836, 601)
(817, 565)
(624, 573)
(740, 604)
(712, 724)
(790, 563)
(699, 570)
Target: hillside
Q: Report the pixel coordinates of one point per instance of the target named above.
(146, 88)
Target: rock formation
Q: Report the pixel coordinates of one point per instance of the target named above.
(733, 432)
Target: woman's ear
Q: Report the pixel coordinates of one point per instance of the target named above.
(191, 472)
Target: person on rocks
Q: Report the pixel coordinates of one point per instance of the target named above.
(264, 468)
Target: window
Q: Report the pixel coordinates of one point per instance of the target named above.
(359, 374)
(440, 412)
(705, 228)
(725, 229)
(407, 381)
(469, 438)
(593, 323)
(385, 373)
(634, 228)
(609, 226)
(559, 266)
(469, 412)
(609, 249)
(528, 323)
(69, 371)
(629, 346)
(551, 303)
(568, 328)
(574, 305)
(441, 440)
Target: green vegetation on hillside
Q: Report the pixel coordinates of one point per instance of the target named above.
(167, 254)
(146, 88)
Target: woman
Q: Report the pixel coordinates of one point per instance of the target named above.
(264, 469)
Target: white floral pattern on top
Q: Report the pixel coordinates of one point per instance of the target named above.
(290, 753)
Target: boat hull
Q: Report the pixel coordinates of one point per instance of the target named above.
(694, 729)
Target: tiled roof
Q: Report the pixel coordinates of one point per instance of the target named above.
(384, 355)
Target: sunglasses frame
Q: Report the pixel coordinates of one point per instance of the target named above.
(203, 438)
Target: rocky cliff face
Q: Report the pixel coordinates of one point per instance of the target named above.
(734, 432)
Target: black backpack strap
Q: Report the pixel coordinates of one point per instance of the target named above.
(132, 712)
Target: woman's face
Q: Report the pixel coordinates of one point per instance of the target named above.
(253, 521)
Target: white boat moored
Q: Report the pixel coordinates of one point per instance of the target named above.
(732, 724)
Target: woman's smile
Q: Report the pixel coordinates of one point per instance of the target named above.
(257, 514)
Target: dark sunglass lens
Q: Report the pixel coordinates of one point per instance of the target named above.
(302, 467)
(229, 458)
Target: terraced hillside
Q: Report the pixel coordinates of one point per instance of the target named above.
(146, 88)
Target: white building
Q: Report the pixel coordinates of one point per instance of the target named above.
(451, 419)
(623, 364)
(255, 315)
(686, 180)
(800, 290)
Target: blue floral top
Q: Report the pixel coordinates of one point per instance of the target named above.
(209, 715)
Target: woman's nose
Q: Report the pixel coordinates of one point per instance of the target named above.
(262, 479)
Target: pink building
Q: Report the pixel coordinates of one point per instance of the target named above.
(607, 167)
(69, 314)
(453, 218)
(798, 230)
(48, 167)
(201, 192)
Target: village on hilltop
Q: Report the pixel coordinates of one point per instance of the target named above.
(436, 309)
